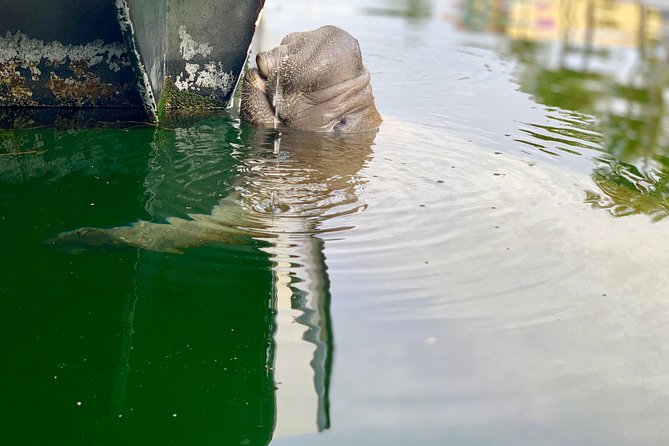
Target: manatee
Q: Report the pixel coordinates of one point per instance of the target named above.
(313, 177)
(314, 87)
(313, 81)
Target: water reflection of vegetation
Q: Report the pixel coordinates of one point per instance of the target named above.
(413, 10)
(571, 56)
(628, 190)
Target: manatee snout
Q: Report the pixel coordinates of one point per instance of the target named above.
(268, 61)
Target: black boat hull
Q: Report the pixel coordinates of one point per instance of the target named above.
(153, 55)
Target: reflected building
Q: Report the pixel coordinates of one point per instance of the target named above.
(303, 336)
(305, 181)
(583, 23)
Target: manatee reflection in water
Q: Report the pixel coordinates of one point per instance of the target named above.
(285, 190)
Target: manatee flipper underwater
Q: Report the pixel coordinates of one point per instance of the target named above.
(173, 236)
(86, 239)
(141, 234)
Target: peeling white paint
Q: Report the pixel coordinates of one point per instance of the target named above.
(214, 76)
(190, 48)
(184, 82)
(145, 90)
(211, 75)
(31, 52)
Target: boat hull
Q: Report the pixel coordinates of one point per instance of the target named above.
(152, 55)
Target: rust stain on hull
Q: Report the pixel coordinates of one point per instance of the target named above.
(89, 91)
(13, 86)
(34, 73)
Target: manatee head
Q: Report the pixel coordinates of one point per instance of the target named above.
(314, 81)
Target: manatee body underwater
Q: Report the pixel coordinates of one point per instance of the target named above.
(315, 88)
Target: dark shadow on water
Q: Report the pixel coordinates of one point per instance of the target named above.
(72, 118)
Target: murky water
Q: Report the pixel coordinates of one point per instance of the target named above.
(489, 268)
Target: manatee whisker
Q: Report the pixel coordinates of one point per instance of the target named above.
(275, 99)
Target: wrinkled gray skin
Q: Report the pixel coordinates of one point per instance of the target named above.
(314, 81)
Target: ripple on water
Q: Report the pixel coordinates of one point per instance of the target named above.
(444, 225)
(190, 169)
(312, 178)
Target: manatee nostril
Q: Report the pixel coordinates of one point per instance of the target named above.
(264, 63)
(268, 61)
(256, 80)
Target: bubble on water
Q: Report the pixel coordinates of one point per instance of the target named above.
(174, 415)
(431, 340)
(78, 403)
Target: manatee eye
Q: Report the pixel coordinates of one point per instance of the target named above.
(341, 124)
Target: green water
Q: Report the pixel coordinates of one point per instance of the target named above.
(487, 269)
(101, 346)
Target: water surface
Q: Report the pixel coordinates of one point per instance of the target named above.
(486, 269)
